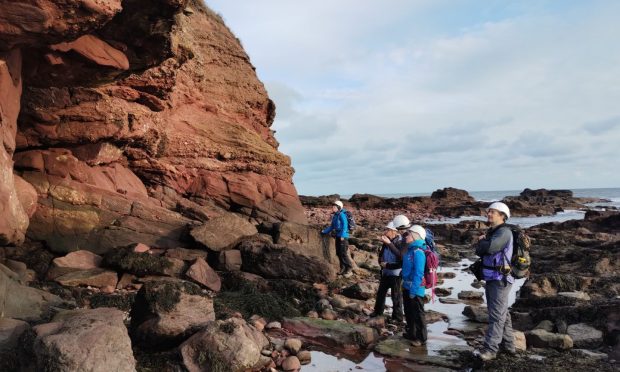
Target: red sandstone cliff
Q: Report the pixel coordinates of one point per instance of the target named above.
(136, 120)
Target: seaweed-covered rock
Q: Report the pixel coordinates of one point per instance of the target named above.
(141, 264)
(85, 340)
(225, 345)
(168, 311)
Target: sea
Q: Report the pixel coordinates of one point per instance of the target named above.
(611, 194)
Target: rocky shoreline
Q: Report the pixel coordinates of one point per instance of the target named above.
(148, 221)
(270, 294)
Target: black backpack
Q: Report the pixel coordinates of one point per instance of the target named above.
(520, 261)
(350, 220)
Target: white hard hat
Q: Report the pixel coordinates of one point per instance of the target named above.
(339, 204)
(390, 226)
(500, 207)
(418, 230)
(401, 222)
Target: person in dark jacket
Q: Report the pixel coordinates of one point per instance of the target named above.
(495, 249)
(339, 229)
(390, 277)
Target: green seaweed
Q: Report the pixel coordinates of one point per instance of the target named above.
(125, 260)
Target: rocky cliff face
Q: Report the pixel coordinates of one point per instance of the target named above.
(131, 120)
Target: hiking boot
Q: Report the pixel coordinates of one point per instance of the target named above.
(485, 355)
(374, 314)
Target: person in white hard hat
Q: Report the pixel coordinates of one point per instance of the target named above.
(390, 277)
(339, 229)
(495, 248)
(414, 260)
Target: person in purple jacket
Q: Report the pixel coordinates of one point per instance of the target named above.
(495, 249)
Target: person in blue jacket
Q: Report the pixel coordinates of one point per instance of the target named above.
(414, 261)
(339, 229)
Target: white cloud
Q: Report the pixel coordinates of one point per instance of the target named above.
(412, 96)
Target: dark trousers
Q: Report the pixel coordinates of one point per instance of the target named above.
(414, 314)
(342, 248)
(395, 284)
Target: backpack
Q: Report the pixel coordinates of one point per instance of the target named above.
(520, 261)
(430, 243)
(430, 271)
(350, 221)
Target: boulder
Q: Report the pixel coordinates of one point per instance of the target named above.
(74, 261)
(361, 291)
(470, 295)
(305, 357)
(230, 260)
(230, 345)
(478, 314)
(84, 340)
(279, 262)
(305, 239)
(223, 232)
(94, 277)
(543, 339)
(293, 345)
(10, 347)
(332, 333)
(291, 364)
(585, 336)
(203, 274)
(520, 341)
(168, 311)
(22, 302)
(443, 292)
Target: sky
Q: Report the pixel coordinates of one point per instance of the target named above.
(408, 96)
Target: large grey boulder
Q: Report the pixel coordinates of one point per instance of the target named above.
(223, 232)
(307, 240)
(225, 345)
(279, 262)
(18, 301)
(84, 340)
(585, 336)
(544, 339)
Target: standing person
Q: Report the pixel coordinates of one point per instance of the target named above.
(339, 229)
(495, 249)
(390, 277)
(414, 261)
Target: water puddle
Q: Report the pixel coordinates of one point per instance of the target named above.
(438, 340)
